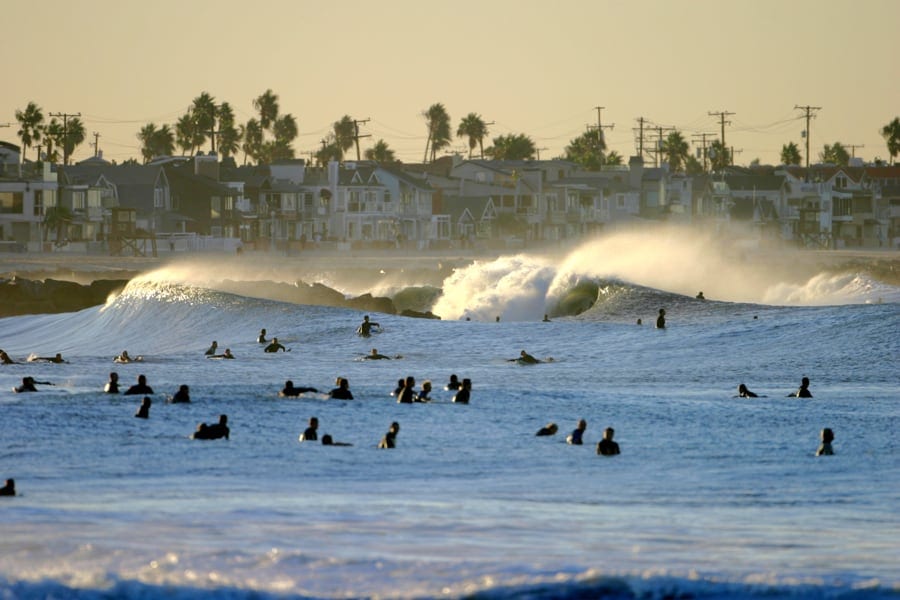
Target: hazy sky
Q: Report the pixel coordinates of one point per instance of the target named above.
(534, 67)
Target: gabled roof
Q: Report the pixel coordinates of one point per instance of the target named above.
(478, 208)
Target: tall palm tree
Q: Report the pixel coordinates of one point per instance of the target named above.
(185, 133)
(676, 150)
(146, 136)
(719, 156)
(891, 135)
(204, 112)
(252, 134)
(473, 127)
(73, 136)
(52, 133)
(227, 138)
(380, 152)
(438, 122)
(344, 133)
(790, 154)
(31, 123)
(267, 107)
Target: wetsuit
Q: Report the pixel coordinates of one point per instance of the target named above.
(310, 435)
(462, 396)
(607, 448)
(575, 437)
(340, 394)
(139, 388)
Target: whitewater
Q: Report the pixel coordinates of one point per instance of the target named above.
(713, 495)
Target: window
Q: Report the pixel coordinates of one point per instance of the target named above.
(78, 202)
(12, 202)
(159, 198)
(215, 207)
(620, 201)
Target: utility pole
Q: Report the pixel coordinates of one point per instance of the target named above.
(601, 127)
(809, 115)
(356, 135)
(659, 140)
(732, 154)
(641, 121)
(722, 114)
(853, 148)
(65, 118)
(703, 137)
(538, 150)
(96, 144)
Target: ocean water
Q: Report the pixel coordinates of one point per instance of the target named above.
(713, 496)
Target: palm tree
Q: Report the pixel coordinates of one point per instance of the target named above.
(31, 122)
(328, 152)
(676, 151)
(693, 166)
(613, 158)
(164, 141)
(53, 135)
(380, 152)
(204, 112)
(252, 134)
(891, 135)
(836, 154)
(513, 147)
(185, 133)
(227, 137)
(146, 135)
(719, 156)
(267, 107)
(73, 136)
(344, 133)
(473, 127)
(586, 150)
(438, 122)
(790, 154)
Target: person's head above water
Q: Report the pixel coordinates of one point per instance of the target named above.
(366, 318)
(827, 435)
(804, 382)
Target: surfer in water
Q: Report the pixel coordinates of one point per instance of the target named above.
(140, 388)
(803, 392)
(182, 395)
(408, 394)
(262, 337)
(274, 346)
(526, 359)
(144, 410)
(5, 359)
(365, 328)
(375, 355)
(214, 431)
(9, 489)
(124, 357)
(27, 385)
(310, 433)
(464, 393)
(328, 441)
(290, 391)
(112, 386)
(606, 446)
(700, 296)
(51, 359)
(226, 354)
(548, 429)
(825, 448)
(453, 384)
(212, 348)
(574, 438)
(423, 396)
(661, 319)
(342, 392)
(744, 392)
(390, 438)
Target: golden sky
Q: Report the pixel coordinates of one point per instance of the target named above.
(534, 67)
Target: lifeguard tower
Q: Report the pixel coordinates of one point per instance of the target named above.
(125, 238)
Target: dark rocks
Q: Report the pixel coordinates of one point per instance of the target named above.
(26, 297)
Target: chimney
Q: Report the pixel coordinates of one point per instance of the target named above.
(207, 165)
